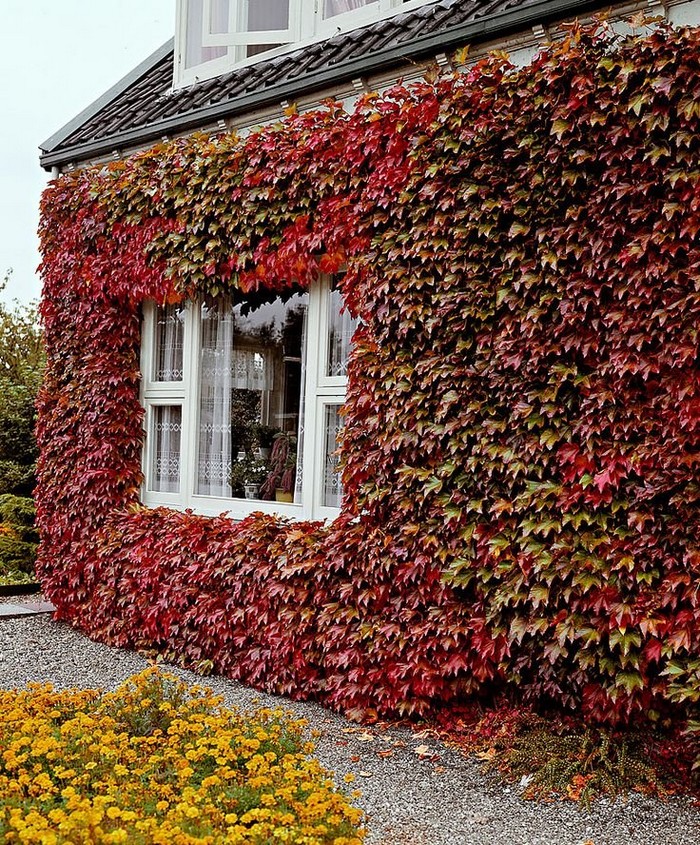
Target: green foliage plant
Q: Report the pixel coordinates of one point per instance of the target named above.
(21, 369)
(18, 537)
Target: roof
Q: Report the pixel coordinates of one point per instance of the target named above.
(143, 107)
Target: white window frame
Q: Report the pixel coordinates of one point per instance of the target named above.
(237, 36)
(319, 391)
(354, 18)
(307, 25)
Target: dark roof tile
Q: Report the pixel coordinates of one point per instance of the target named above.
(140, 106)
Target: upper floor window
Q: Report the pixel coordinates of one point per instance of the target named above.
(216, 35)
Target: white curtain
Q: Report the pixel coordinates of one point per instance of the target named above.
(167, 435)
(167, 419)
(195, 53)
(250, 370)
(302, 409)
(169, 334)
(337, 7)
(216, 383)
(332, 483)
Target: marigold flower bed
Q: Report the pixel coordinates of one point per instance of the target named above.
(160, 762)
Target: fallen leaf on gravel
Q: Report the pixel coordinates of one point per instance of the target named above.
(365, 774)
(439, 770)
(355, 758)
(422, 750)
(350, 730)
(366, 737)
(385, 754)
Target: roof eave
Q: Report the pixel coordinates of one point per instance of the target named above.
(125, 82)
(480, 30)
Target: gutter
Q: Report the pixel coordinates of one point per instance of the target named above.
(542, 12)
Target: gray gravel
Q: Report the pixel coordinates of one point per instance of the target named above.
(434, 798)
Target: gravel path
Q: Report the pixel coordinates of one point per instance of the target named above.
(439, 798)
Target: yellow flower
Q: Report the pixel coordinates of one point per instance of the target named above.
(160, 788)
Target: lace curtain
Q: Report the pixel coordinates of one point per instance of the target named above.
(341, 328)
(332, 483)
(216, 383)
(222, 370)
(249, 370)
(169, 336)
(167, 432)
(302, 410)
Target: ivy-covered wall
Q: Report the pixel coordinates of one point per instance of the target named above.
(522, 451)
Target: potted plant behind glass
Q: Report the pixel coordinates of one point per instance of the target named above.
(247, 474)
(285, 491)
(279, 484)
(265, 438)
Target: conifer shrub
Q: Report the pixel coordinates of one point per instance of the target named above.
(19, 539)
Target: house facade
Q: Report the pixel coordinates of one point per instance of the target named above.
(238, 293)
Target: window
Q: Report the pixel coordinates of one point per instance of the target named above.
(243, 403)
(215, 35)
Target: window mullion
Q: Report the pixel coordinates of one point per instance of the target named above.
(323, 393)
(146, 363)
(307, 14)
(191, 402)
(311, 446)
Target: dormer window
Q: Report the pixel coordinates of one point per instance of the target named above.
(266, 23)
(216, 35)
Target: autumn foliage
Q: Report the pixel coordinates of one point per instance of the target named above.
(522, 452)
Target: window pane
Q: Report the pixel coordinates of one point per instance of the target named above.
(263, 15)
(267, 14)
(341, 327)
(195, 54)
(169, 337)
(220, 16)
(331, 8)
(166, 436)
(332, 484)
(250, 397)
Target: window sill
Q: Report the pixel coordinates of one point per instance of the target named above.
(236, 509)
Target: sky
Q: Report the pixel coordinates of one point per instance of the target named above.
(56, 57)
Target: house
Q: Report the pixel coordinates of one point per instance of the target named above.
(201, 351)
